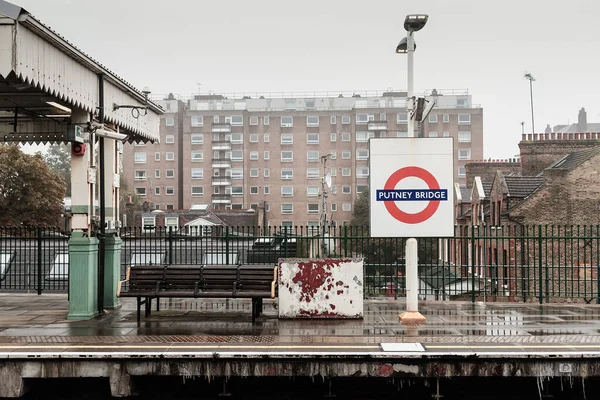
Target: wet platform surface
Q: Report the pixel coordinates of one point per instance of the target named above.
(30, 323)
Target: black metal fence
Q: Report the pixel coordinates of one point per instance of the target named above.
(507, 263)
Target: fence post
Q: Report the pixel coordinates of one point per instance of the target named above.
(170, 245)
(39, 261)
(598, 283)
(285, 240)
(473, 263)
(540, 267)
(345, 240)
(226, 245)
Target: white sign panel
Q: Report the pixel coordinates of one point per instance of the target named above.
(411, 187)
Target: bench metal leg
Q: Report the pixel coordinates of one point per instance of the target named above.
(139, 309)
(147, 308)
(157, 304)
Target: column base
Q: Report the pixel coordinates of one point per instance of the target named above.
(74, 316)
(412, 317)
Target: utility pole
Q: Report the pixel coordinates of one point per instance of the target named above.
(531, 79)
(323, 222)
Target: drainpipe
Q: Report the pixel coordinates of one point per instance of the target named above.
(102, 203)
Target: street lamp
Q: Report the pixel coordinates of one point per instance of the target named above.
(412, 24)
(531, 79)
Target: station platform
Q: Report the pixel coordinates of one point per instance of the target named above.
(216, 338)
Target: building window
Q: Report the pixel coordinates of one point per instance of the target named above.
(362, 172)
(237, 173)
(254, 138)
(237, 138)
(169, 121)
(169, 139)
(287, 191)
(312, 138)
(312, 191)
(266, 172)
(346, 119)
(140, 158)
(346, 137)
(433, 118)
(287, 174)
(197, 173)
(170, 173)
(237, 155)
(169, 156)
(446, 118)
(346, 189)
(312, 156)
(333, 154)
(287, 138)
(197, 138)
(313, 208)
(237, 190)
(363, 136)
(266, 155)
(334, 189)
(446, 134)
(462, 172)
(253, 189)
(237, 120)
(170, 207)
(361, 188)
(333, 137)
(333, 120)
(254, 172)
(148, 222)
(267, 190)
(347, 207)
(362, 154)
(266, 138)
(254, 155)
(312, 173)
(433, 134)
(346, 172)
(464, 119)
(333, 172)
(287, 156)
(287, 208)
(346, 155)
(290, 104)
(363, 119)
(140, 175)
(198, 120)
(333, 207)
(464, 136)
(140, 191)
(157, 173)
(197, 156)
(253, 121)
(216, 119)
(312, 121)
(170, 191)
(266, 120)
(402, 118)
(157, 191)
(464, 154)
(287, 121)
(197, 191)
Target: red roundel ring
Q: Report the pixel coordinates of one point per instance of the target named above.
(426, 177)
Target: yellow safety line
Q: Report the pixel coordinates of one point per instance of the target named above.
(516, 346)
(171, 347)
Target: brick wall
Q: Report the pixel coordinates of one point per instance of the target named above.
(487, 169)
(540, 153)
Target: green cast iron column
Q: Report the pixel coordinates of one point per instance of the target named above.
(112, 271)
(83, 276)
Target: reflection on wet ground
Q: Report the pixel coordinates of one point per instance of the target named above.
(29, 315)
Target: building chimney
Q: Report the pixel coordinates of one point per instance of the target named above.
(548, 129)
(582, 120)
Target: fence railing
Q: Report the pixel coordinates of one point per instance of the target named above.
(505, 263)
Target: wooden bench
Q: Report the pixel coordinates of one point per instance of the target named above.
(193, 281)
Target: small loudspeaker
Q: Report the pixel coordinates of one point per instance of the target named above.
(77, 149)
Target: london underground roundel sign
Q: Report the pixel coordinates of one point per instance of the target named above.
(395, 196)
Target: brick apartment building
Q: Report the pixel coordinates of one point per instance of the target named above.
(265, 152)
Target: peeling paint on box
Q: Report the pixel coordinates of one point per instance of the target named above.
(321, 288)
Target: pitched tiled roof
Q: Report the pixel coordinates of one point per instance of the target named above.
(573, 160)
(465, 194)
(487, 188)
(522, 186)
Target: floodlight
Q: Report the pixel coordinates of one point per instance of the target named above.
(415, 22)
(110, 134)
(402, 47)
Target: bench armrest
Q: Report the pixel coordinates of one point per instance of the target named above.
(120, 285)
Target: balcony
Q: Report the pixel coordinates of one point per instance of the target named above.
(221, 181)
(377, 126)
(226, 128)
(224, 145)
(221, 199)
(221, 163)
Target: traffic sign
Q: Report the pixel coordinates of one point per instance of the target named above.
(411, 181)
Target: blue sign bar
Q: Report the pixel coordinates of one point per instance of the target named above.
(412, 195)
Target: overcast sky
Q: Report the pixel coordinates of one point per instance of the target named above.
(331, 45)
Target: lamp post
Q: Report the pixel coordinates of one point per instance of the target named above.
(412, 24)
(531, 79)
